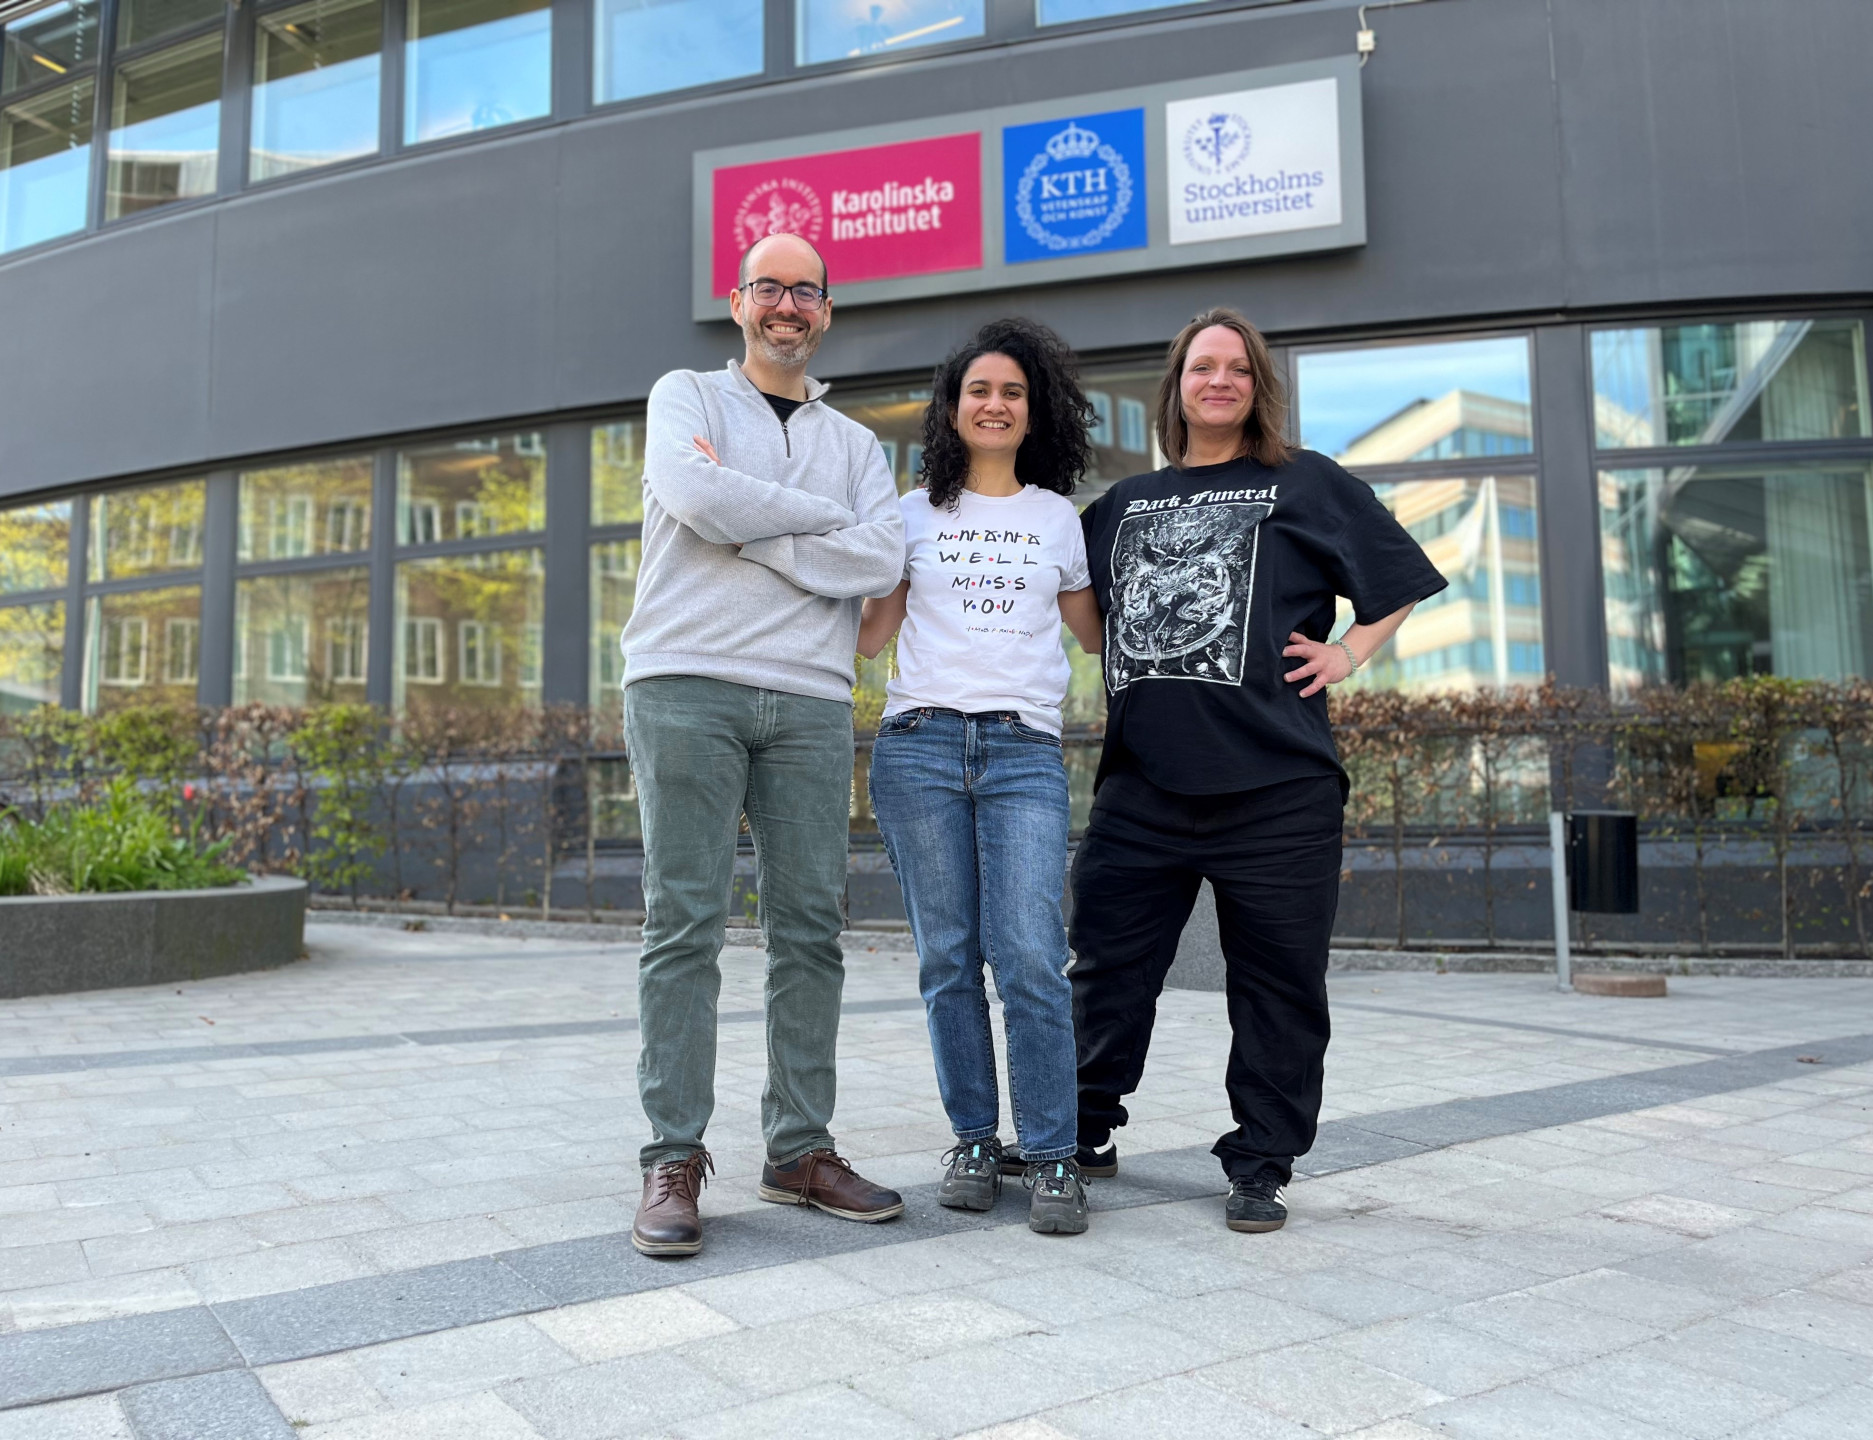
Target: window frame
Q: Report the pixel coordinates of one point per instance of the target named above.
(1736, 454)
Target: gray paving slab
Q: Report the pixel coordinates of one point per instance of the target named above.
(223, 1405)
(353, 1313)
(71, 1360)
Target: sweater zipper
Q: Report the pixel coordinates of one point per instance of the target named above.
(786, 439)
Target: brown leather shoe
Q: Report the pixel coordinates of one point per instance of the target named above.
(667, 1222)
(824, 1180)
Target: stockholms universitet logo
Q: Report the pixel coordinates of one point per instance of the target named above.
(1216, 143)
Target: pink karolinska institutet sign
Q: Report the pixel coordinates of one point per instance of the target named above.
(886, 210)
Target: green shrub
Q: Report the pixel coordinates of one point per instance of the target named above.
(126, 841)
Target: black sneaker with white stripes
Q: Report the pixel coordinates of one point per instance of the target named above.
(1256, 1205)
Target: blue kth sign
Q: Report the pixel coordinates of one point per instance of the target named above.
(1074, 186)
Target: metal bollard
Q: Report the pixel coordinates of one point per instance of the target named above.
(1557, 850)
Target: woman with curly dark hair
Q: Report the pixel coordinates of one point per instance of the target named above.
(967, 775)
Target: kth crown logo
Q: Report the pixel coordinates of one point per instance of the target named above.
(1073, 143)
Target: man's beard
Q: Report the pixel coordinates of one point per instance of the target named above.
(789, 356)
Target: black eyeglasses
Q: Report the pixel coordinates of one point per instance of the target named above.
(768, 292)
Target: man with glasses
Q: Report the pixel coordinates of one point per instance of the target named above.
(768, 518)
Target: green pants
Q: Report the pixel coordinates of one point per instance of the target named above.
(704, 753)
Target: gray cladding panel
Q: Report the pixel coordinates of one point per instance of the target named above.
(124, 319)
(1522, 156)
(398, 298)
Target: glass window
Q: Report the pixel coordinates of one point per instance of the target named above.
(143, 648)
(45, 165)
(315, 86)
(468, 631)
(895, 416)
(1484, 631)
(165, 127)
(301, 639)
(35, 547)
(475, 64)
(1712, 384)
(838, 29)
(1717, 571)
(1128, 447)
(1065, 12)
(645, 47)
(147, 531)
(1389, 404)
(32, 652)
(322, 507)
(463, 489)
(48, 43)
(614, 587)
(140, 20)
(618, 473)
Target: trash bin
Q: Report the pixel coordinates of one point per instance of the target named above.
(1603, 862)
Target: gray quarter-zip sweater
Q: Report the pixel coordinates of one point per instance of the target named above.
(754, 570)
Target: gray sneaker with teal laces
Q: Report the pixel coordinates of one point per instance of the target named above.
(1058, 1206)
(1256, 1205)
(974, 1177)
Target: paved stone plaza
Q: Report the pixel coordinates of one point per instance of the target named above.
(384, 1195)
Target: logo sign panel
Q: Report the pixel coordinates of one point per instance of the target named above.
(1210, 170)
(1074, 186)
(1256, 162)
(877, 213)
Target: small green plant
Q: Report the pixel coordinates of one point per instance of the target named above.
(125, 841)
(343, 748)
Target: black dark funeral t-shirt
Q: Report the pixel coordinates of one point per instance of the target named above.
(1202, 574)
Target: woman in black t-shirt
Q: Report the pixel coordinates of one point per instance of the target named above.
(1218, 577)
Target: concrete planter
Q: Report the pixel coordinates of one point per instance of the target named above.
(50, 944)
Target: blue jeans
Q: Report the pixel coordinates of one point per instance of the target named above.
(973, 810)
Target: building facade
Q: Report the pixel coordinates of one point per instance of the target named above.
(325, 325)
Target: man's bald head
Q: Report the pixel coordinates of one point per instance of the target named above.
(779, 249)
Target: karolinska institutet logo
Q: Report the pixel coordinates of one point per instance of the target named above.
(1254, 163)
(877, 213)
(780, 206)
(1074, 187)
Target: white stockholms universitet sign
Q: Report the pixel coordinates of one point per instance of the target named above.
(1214, 170)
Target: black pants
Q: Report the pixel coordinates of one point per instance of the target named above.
(1272, 856)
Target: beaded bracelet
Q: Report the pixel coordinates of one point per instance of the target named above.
(1351, 657)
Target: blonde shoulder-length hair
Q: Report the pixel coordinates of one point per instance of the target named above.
(1264, 432)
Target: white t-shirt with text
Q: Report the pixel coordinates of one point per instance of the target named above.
(982, 623)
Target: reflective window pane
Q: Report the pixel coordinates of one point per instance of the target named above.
(143, 648)
(140, 20)
(475, 64)
(462, 489)
(895, 416)
(614, 587)
(315, 86)
(322, 507)
(302, 639)
(1712, 572)
(45, 165)
(1484, 631)
(1065, 12)
(468, 632)
(645, 47)
(32, 651)
(35, 546)
(48, 43)
(1389, 404)
(1735, 381)
(165, 127)
(147, 531)
(838, 29)
(618, 473)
